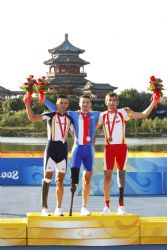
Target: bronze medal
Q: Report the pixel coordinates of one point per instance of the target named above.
(110, 129)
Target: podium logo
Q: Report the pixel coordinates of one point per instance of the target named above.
(14, 175)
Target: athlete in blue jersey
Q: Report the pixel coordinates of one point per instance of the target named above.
(83, 148)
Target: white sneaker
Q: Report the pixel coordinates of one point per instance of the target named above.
(58, 212)
(106, 211)
(121, 210)
(85, 211)
(45, 212)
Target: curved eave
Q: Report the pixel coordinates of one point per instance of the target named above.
(67, 80)
(66, 46)
(56, 51)
(59, 61)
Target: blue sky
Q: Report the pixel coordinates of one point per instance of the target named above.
(125, 41)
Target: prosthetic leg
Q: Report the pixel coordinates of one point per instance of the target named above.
(74, 183)
(121, 185)
(44, 196)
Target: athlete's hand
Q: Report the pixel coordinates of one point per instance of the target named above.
(27, 99)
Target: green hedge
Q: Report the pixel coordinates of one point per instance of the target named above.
(21, 132)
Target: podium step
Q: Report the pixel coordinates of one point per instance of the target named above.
(153, 230)
(13, 231)
(79, 230)
(81, 242)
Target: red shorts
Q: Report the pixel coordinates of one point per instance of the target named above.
(115, 152)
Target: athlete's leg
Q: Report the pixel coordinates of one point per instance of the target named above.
(59, 188)
(109, 159)
(86, 187)
(107, 182)
(75, 167)
(60, 173)
(121, 160)
(88, 161)
(45, 188)
(61, 165)
(48, 173)
(121, 185)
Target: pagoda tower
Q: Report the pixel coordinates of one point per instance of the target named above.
(66, 69)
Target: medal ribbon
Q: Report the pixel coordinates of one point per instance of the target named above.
(86, 120)
(110, 129)
(63, 131)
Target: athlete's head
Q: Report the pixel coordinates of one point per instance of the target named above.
(62, 103)
(85, 103)
(111, 101)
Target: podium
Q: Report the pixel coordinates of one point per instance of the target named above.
(94, 230)
(13, 232)
(153, 230)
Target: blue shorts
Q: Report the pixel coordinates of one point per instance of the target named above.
(83, 154)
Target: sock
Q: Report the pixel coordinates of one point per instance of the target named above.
(121, 204)
(107, 203)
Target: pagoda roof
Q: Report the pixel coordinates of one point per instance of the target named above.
(66, 47)
(66, 60)
(10, 92)
(68, 80)
(99, 86)
(3, 90)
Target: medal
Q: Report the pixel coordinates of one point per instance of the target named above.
(63, 131)
(86, 126)
(88, 138)
(110, 129)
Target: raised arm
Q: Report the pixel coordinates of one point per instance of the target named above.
(140, 115)
(30, 114)
(52, 107)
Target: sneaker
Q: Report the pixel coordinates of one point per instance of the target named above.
(106, 211)
(85, 211)
(58, 212)
(45, 212)
(121, 210)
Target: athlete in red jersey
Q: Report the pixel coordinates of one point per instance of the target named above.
(114, 121)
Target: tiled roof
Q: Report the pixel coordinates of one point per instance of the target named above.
(67, 80)
(98, 86)
(66, 59)
(3, 90)
(66, 46)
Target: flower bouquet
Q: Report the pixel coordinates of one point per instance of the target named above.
(156, 87)
(41, 86)
(28, 86)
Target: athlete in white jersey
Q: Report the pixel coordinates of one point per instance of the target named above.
(114, 121)
(55, 157)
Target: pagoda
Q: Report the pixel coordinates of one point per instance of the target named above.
(66, 72)
(66, 68)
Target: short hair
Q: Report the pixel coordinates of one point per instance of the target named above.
(111, 94)
(85, 96)
(62, 96)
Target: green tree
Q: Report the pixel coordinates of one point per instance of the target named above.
(133, 99)
(12, 105)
